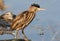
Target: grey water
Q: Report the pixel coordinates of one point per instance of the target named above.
(46, 24)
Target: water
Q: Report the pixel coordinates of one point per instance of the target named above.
(46, 22)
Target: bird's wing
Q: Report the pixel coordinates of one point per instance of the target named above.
(3, 23)
(18, 20)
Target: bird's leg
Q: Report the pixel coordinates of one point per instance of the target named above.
(15, 34)
(24, 35)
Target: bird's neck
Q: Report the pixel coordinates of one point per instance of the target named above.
(29, 10)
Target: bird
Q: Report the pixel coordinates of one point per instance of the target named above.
(23, 19)
(6, 20)
(2, 5)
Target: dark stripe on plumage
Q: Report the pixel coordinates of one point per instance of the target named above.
(27, 18)
(15, 21)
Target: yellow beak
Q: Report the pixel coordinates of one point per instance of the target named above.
(40, 9)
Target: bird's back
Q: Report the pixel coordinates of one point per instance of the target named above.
(22, 20)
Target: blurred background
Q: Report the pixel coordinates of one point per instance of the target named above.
(45, 26)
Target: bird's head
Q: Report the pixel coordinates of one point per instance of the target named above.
(35, 7)
(8, 16)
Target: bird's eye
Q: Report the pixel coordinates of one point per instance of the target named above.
(7, 14)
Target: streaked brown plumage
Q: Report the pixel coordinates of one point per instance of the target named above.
(24, 18)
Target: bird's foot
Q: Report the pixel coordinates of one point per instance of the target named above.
(27, 39)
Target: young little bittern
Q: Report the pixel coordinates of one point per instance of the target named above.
(25, 18)
(6, 20)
